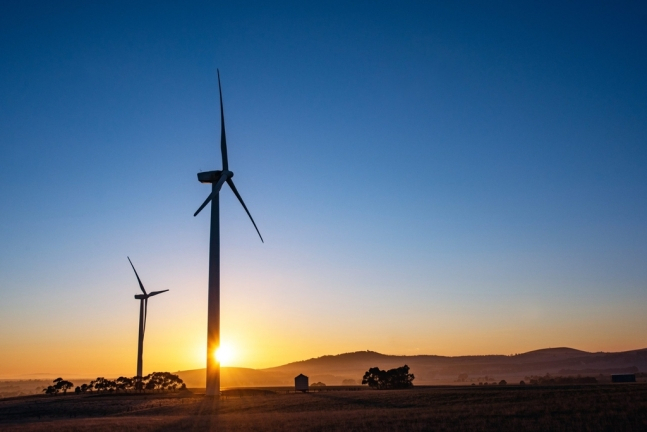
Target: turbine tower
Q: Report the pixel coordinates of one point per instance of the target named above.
(143, 309)
(217, 180)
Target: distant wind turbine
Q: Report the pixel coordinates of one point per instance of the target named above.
(217, 180)
(143, 309)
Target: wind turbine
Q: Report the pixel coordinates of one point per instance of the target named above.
(217, 180)
(143, 309)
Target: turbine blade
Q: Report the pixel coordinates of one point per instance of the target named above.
(203, 204)
(154, 293)
(230, 182)
(138, 280)
(223, 136)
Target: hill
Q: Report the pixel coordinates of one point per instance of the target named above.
(431, 369)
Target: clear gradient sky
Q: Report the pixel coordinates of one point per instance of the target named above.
(462, 179)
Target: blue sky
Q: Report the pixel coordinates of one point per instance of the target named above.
(443, 179)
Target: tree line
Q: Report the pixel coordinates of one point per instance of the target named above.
(155, 382)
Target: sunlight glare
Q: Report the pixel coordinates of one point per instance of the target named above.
(224, 355)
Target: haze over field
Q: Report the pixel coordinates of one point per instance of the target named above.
(430, 369)
(456, 180)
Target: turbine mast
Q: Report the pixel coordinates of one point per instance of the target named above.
(143, 310)
(140, 345)
(213, 312)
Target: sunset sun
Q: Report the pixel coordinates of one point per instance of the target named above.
(225, 354)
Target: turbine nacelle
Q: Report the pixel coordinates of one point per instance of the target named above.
(150, 294)
(212, 176)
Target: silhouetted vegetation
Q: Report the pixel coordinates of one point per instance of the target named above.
(559, 380)
(59, 385)
(155, 382)
(318, 384)
(398, 378)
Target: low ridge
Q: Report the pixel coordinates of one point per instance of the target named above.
(434, 369)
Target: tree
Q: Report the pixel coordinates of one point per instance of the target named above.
(162, 381)
(139, 383)
(176, 382)
(124, 383)
(398, 378)
(50, 390)
(103, 385)
(59, 384)
(374, 377)
(112, 386)
(165, 380)
(64, 385)
(150, 385)
(97, 384)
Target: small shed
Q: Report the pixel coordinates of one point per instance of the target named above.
(622, 378)
(301, 383)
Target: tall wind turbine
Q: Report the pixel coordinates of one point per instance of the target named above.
(217, 180)
(143, 309)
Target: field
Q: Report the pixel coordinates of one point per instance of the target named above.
(469, 408)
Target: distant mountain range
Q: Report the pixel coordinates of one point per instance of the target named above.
(432, 369)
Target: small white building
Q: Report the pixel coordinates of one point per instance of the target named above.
(301, 383)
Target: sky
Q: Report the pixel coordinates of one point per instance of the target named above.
(450, 179)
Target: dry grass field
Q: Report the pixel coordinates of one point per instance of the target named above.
(527, 408)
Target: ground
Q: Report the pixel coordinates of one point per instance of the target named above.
(470, 408)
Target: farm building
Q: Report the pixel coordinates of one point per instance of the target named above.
(623, 378)
(301, 383)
